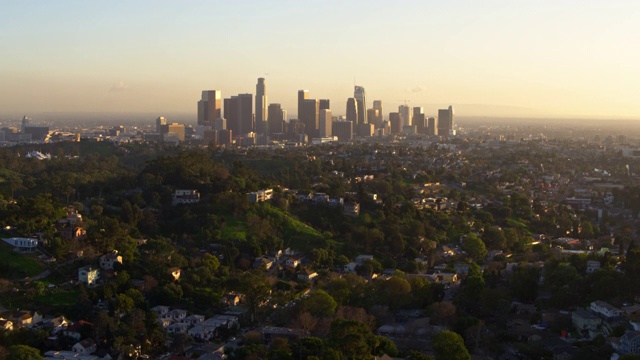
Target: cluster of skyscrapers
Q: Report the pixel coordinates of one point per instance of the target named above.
(248, 121)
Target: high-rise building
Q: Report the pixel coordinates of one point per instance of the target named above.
(261, 105)
(275, 119)
(372, 116)
(160, 123)
(432, 126)
(359, 95)
(177, 130)
(352, 110)
(417, 110)
(445, 121)
(238, 110)
(324, 129)
(343, 130)
(325, 104)
(209, 107)
(310, 116)
(302, 96)
(405, 114)
(377, 105)
(396, 122)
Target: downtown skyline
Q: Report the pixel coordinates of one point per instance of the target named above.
(520, 59)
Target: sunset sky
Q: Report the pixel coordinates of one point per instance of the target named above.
(560, 58)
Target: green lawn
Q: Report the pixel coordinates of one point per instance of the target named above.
(17, 266)
(58, 299)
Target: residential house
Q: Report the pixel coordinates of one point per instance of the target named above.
(22, 244)
(75, 330)
(606, 310)
(182, 197)
(361, 259)
(307, 275)
(632, 312)
(232, 299)
(629, 343)
(292, 262)
(58, 324)
(6, 325)
(176, 315)
(462, 269)
(592, 266)
(23, 318)
(177, 328)
(352, 209)
(175, 273)
(262, 262)
(107, 261)
(350, 267)
(71, 226)
(194, 320)
(88, 275)
(160, 310)
(587, 323)
(260, 195)
(85, 347)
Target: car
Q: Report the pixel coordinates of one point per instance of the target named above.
(232, 339)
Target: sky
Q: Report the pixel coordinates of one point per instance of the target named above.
(560, 58)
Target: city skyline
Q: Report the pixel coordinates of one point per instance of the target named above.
(521, 59)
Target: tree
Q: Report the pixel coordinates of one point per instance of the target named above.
(24, 352)
(474, 247)
(448, 345)
(319, 303)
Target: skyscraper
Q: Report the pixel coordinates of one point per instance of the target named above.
(405, 114)
(359, 95)
(261, 105)
(209, 107)
(396, 122)
(309, 116)
(238, 110)
(377, 105)
(432, 126)
(325, 104)
(275, 119)
(352, 110)
(343, 130)
(160, 123)
(302, 96)
(324, 129)
(445, 121)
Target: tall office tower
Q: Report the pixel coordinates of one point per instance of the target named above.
(432, 126)
(160, 123)
(417, 110)
(445, 121)
(358, 93)
(324, 129)
(220, 124)
(310, 116)
(177, 130)
(325, 104)
(420, 122)
(302, 96)
(352, 110)
(372, 116)
(238, 110)
(377, 104)
(294, 129)
(25, 123)
(225, 137)
(275, 119)
(343, 130)
(405, 113)
(209, 107)
(261, 106)
(396, 122)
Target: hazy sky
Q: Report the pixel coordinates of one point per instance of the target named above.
(508, 57)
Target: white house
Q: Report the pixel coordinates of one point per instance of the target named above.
(88, 275)
(85, 347)
(185, 197)
(592, 266)
(607, 310)
(160, 310)
(350, 267)
(177, 328)
(176, 314)
(22, 244)
(107, 261)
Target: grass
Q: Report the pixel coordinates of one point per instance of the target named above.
(16, 266)
(58, 299)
